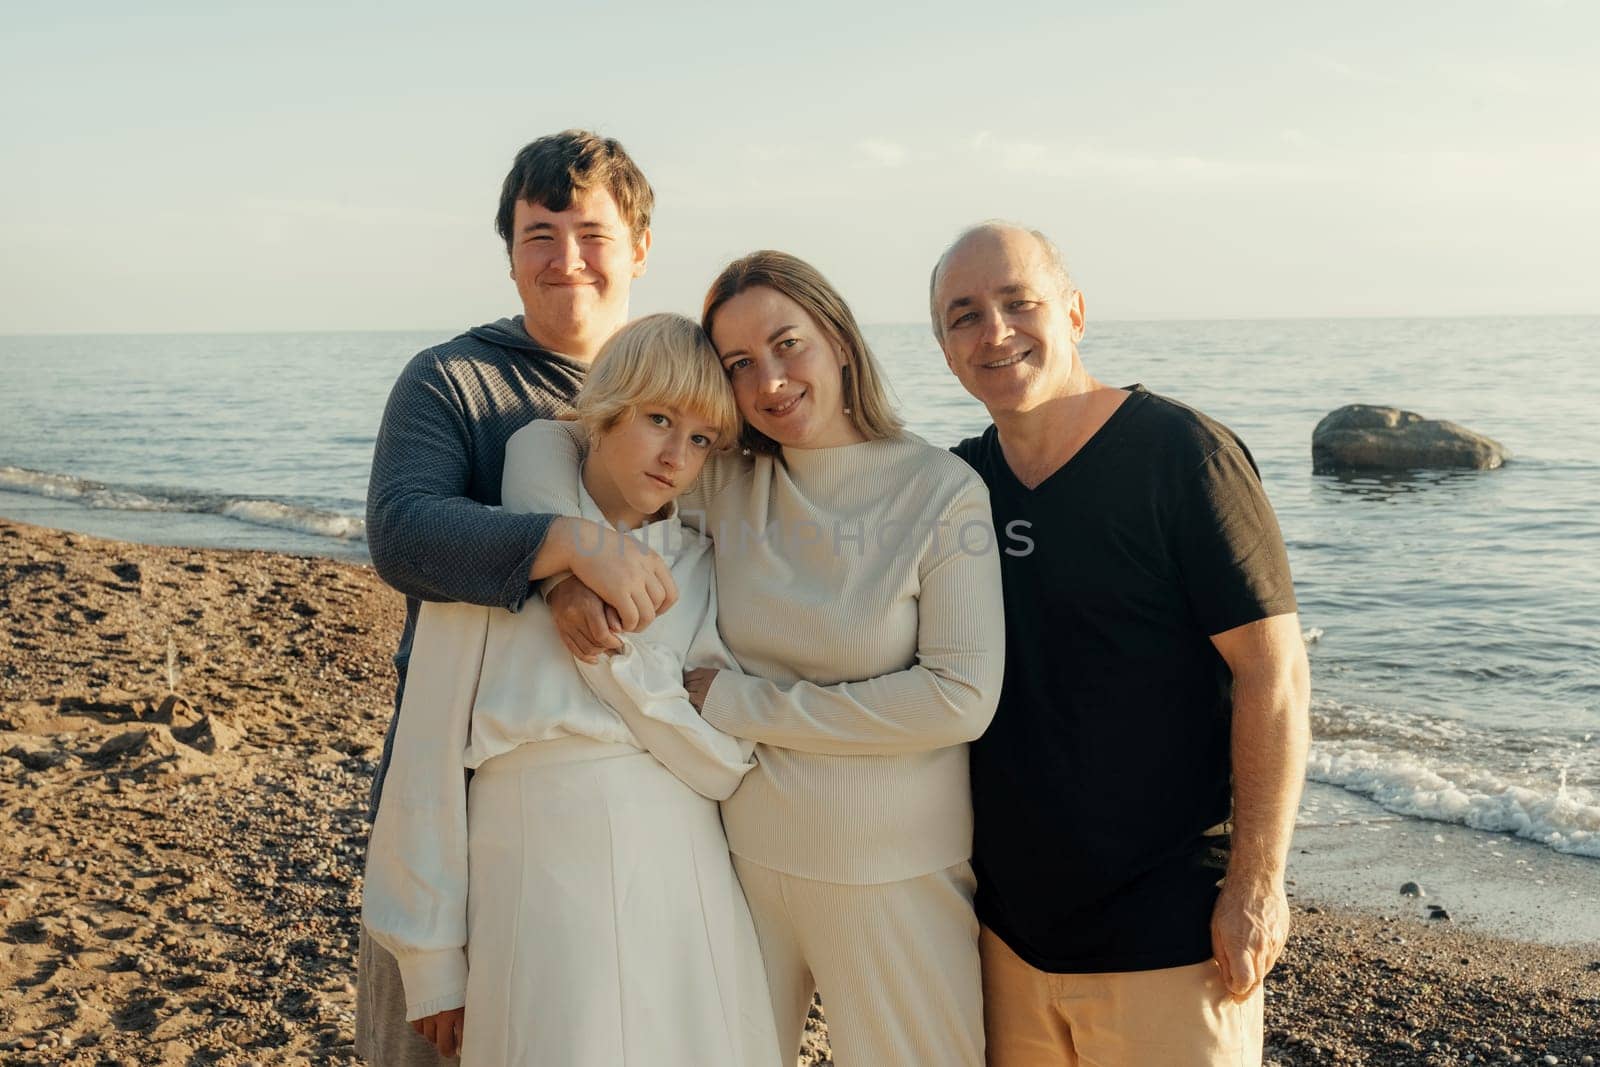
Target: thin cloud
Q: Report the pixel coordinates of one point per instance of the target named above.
(876, 152)
(1061, 161)
(1350, 72)
(1300, 140)
(369, 213)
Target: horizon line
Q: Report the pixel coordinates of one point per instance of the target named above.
(1152, 318)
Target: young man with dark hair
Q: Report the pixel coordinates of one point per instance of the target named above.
(574, 213)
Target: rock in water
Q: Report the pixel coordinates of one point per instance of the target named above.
(1412, 889)
(1360, 437)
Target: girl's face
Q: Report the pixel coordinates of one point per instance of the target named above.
(787, 373)
(641, 464)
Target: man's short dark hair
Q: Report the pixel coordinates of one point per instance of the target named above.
(551, 170)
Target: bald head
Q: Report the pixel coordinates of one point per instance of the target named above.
(995, 237)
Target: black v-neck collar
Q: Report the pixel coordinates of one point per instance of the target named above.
(1137, 396)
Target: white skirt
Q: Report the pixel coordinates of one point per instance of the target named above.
(605, 925)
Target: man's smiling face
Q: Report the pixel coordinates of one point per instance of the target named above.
(574, 269)
(1009, 320)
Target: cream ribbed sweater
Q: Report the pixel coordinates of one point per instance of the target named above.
(859, 589)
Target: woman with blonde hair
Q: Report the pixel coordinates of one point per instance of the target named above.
(573, 905)
(859, 591)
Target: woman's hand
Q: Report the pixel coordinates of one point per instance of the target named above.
(442, 1031)
(698, 683)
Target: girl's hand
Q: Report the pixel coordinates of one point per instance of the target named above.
(442, 1031)
(588, 626)
(698, 683)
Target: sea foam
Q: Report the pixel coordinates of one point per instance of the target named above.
(258, 511)
(1540, 808)
(289, 517)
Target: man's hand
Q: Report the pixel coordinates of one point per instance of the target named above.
(698, 683)
(588, 625)
(1248, 929)
(442, 1031)
(1271, 731)
(625, 574)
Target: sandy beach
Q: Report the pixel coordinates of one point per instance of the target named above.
(186, 741)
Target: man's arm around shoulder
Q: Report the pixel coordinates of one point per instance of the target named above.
(427, 538)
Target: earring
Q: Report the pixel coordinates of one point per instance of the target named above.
(845, 379)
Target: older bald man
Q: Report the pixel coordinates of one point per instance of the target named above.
(1136, 792)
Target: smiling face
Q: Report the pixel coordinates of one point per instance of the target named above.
(787, 373)
(645, 460)
(573, 270)
(1009, 322)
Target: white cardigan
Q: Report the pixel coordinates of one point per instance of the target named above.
(483, 681)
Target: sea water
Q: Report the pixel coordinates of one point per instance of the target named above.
(1453, 619)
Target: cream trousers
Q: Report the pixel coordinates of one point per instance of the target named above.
(896, 964)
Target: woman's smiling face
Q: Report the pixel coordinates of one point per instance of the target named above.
(787, 373)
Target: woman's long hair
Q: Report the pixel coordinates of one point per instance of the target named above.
(863, 388)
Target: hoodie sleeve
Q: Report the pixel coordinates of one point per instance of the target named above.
(428, 539)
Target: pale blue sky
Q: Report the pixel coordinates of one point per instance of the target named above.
(219, 167)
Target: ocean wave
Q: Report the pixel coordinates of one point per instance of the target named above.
(258, 511)
(289, 517)
(1563, 817)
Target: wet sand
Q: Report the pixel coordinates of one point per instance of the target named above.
(186, 740)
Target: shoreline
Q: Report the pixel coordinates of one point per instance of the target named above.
(186, 738)
(173, 529)
(1350, 852)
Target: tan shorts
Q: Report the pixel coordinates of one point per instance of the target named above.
(1175, 1017)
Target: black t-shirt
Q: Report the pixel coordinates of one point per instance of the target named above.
(1108, 759)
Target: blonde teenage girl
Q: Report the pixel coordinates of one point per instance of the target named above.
(548, 865)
